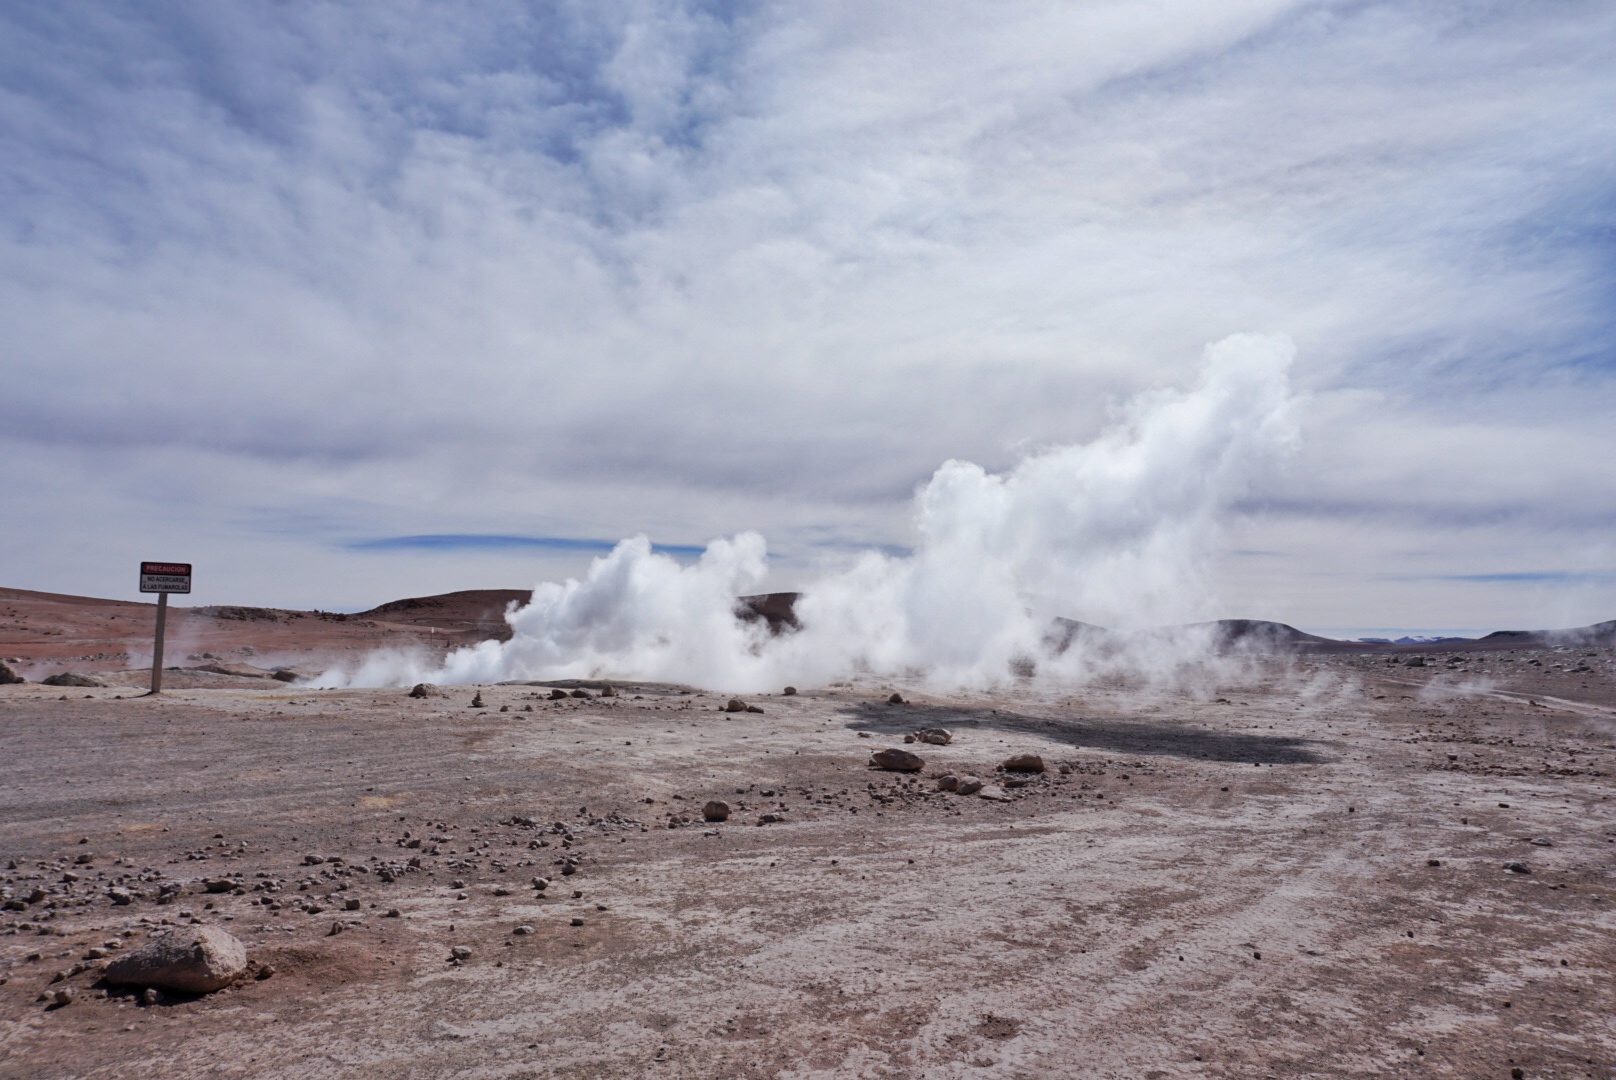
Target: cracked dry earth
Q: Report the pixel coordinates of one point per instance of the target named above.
(1298, 875)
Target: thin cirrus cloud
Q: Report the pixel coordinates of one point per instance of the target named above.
(546, 270)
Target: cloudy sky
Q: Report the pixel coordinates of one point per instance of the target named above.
(345, 302)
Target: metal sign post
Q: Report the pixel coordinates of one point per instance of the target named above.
(162, 578)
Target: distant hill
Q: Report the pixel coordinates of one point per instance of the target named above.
(474, 613)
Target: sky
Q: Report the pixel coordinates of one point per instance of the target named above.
(349, 302)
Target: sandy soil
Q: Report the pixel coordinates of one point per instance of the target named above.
(1301, 873)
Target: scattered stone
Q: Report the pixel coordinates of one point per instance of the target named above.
(936, 736)
(790, 691)
(393, 913)
(716, 810)
(313, 860)
(1414, 661)
(523, 931)
(896, 699)
(864, 735)
(581, 693)
(425, 690)
(1517, 868)
(459, 952)
(735, 705)
(1433, 862)
(969, 785)
(1539, 841)
(8, 675)
(754, 708)
(541, 884)
(504, 708)
(577, 920)
(193, 960)
(1023, 763)
(948, 782)
(558, 695)
(150, 996)
(477, 701)
(772, 818)
(220, 885)
(351, 904)
(64, 996)
(607, 690)
(72, 678)
(895, 760)
(996, 794)
(336, 928)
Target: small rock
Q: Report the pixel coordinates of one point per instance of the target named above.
(771, 818)
(558, 695)
(577, 920)
(460, 952)
(581, 693)
(194, 960)
(735, 705)
(541, 884)
(351, 904)
(790, 691)
(908, 739)
(996, 794)
(150, 996)
(477, 701)
(895, 760)
(64, 996)
(425, 690)
(716, 810)
(969, 785)
(936, 736)
(1539, 841)
(1517, 868)
(1433, 862)
(120, 897)
(896, 699)
(1023, 763)
(948, 782)
(393, 913)
(219, 885)
(754, 708)
(313, 860)
(523, 931)
(608, 690)
(504, 708)
(336, 928)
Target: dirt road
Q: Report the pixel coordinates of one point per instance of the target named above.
(1300, 876)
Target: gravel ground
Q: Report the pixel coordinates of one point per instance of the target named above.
(1300, 873)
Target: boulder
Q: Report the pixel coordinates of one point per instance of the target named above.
(895, 760)
(717, 810)
(948, 782)
(969, 785)
(192, 960)
(935, 735)
(424, 690)
(997, 794)
(896, 699)
(8, 675)
(580, 693)
(1023, 763)
(790, 691)
(73, 678)
(735, 705)
(558, 695)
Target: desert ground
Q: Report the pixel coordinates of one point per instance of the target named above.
(1306, 865)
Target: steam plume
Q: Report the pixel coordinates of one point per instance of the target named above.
(1116, 531)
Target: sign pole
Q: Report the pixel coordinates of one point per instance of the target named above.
(162, 579)
(157, 646)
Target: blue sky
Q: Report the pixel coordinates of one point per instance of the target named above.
(289, 286)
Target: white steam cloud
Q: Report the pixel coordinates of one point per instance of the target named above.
(1116, 531)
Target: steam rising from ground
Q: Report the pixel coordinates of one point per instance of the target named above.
(1116, 531)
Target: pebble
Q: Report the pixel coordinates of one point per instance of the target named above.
(460, 952)
(523, 930)
(577, 920)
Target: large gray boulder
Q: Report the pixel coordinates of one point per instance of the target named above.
(8, 674)
(192, 960)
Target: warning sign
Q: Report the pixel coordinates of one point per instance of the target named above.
(165, 577)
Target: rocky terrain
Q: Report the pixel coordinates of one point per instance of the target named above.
(1319, 865)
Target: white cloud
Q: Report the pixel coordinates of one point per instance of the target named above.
(595, 270)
